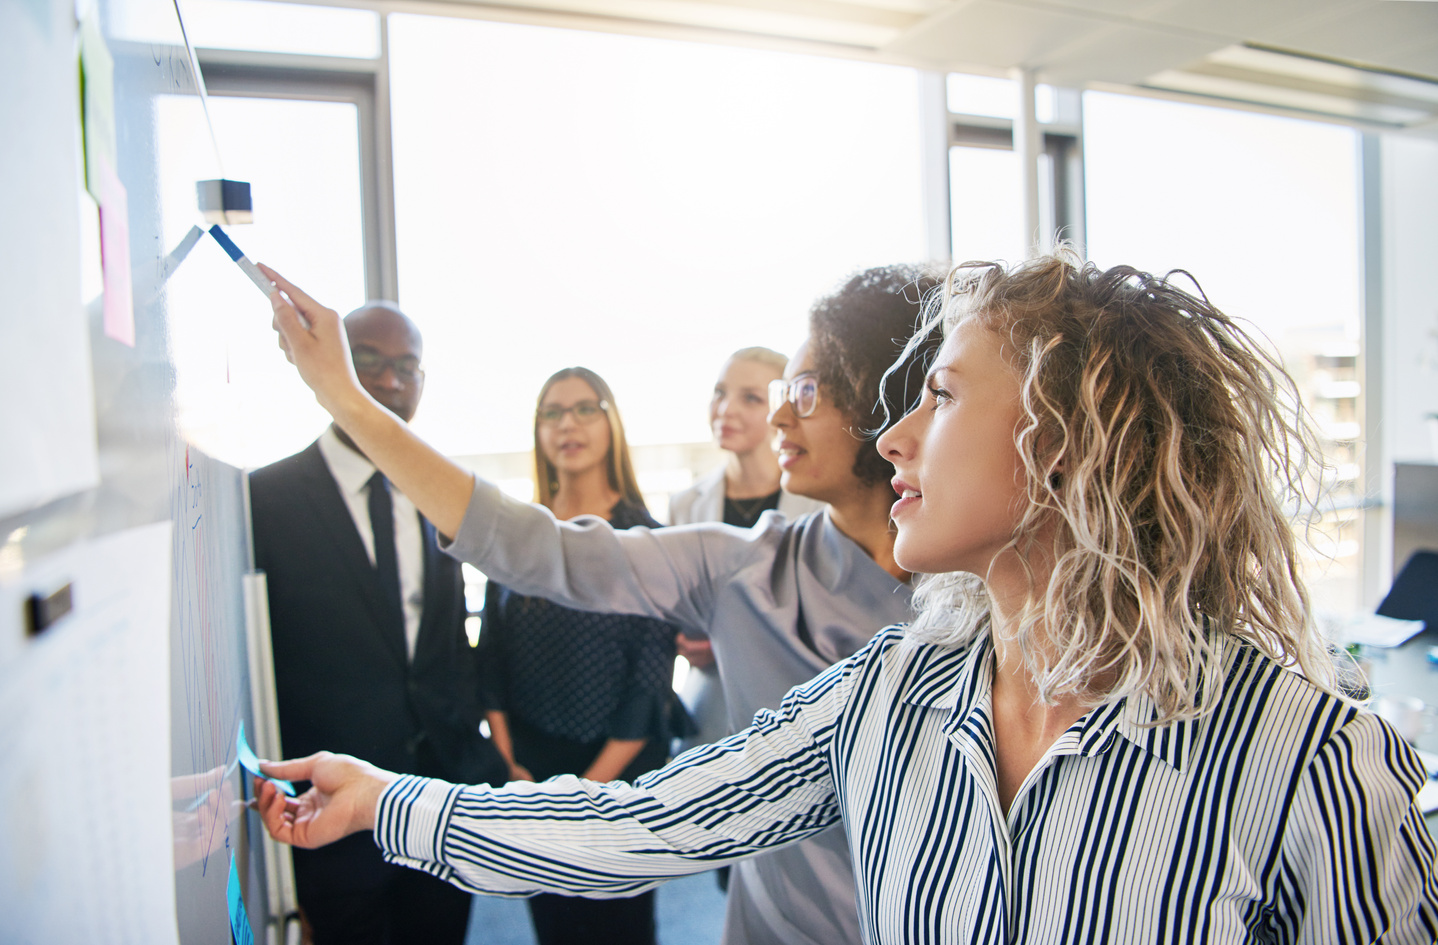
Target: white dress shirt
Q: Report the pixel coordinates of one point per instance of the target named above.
(352, 472)
(1284, 815)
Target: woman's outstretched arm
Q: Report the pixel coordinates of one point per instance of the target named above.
(765, 787)
(438, 486)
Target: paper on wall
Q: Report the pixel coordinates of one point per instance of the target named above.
(85, 830)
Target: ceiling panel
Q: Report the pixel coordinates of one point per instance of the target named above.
(1235, 19)
(1376, 110)
(992, 34)
(1148, 43)
(1381, 33)
(867, 25)
(1123, 54)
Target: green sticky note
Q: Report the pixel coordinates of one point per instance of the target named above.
(97, 93)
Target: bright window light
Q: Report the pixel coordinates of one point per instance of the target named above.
(1264, 211)
(982, 95)
(238, 399)
(987, 212)
(641, 207)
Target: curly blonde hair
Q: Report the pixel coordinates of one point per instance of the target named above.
(1163, 442)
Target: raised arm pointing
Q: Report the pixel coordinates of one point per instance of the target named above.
(439, 488)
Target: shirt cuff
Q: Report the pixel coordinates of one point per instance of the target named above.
(474, 531)
(412, 818)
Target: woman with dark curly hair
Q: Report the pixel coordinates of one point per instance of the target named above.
(779, 602)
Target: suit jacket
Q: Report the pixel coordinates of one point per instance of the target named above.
(704, 502)
(342, 675)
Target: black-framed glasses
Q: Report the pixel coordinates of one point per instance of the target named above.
(585, 412)
(370, 363)
(802, 393)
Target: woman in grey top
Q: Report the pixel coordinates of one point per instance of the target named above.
(780, 602)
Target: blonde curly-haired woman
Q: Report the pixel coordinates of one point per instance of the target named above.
(1112, 720)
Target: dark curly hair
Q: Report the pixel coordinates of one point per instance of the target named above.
(856, 335)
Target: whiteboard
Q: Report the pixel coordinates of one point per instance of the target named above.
(119, 406)
(49, 441)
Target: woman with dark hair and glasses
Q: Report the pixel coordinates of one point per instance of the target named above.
(569, 691)
(779, 602)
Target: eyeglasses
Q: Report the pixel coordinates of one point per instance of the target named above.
(372, 364)
(585, 412)
(802, 393)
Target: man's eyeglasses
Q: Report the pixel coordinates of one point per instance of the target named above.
(585, 412)
(802, 393)
(372, 364)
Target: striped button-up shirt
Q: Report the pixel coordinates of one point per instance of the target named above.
(1281, 815)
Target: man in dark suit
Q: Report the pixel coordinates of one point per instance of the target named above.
(371, 659)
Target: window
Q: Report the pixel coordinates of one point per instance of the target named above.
(238, 400)
(985, 184)
(1264, 211)
(638, 206)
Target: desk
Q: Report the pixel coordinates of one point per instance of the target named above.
(1405, 671)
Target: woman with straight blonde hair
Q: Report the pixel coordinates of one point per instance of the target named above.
(737, 493)
(747, 484)
(1112, 720)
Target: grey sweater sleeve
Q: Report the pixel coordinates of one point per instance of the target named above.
(670, 573)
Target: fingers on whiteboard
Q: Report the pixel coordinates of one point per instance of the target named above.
(272, 808)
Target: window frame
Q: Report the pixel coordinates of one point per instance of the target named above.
(363, 83)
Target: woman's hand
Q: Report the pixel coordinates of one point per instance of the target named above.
(518, 772)
(313, 338)
(343, 799)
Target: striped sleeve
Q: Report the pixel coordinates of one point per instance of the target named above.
(1357, 855)
(767, 786)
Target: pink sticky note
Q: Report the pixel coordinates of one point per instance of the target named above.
(115, 256)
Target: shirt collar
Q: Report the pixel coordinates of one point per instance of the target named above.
(958, 679)
(349, 467)
(840, 561)
(942, 677)
(1174, 742)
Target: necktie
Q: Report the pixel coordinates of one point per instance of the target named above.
(386, 563)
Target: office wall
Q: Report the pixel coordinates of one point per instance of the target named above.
(1401, 205)
(1410, 305)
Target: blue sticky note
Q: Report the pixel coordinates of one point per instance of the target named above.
(239, 919)
(251, 764)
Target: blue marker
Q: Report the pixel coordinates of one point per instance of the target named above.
(249, 268)
(241, 260)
